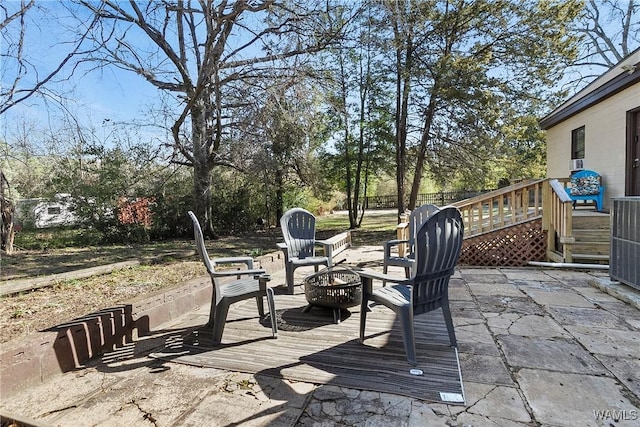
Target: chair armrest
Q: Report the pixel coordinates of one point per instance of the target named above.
(248, 261)
(390, 243)
(326, 246)
(262, 280)
(395, 242)
(285, 250)
(371, 274)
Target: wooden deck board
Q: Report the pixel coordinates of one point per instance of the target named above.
(311, 348)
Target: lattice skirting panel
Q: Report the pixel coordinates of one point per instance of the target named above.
(511, 247)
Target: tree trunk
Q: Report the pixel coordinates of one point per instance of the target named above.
(279, 182)
(402, 106)
(7, 210)
(202, 167)
(357, 218)
(352, 202)
(422, 152)
(403, 89)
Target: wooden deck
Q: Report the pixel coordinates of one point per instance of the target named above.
(533, 221)
(311, 348)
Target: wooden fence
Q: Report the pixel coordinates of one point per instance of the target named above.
(439, 199)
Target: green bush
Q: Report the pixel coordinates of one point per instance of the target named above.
(169, 213)
(233, 211)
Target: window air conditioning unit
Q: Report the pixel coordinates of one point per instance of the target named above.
(576, 164)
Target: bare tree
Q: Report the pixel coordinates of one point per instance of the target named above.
(288, 131)
(611, 30)
(206, 54)
(21, 77)
(12, 49)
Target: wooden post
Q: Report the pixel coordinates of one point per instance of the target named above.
(547, 213)
(402, 233)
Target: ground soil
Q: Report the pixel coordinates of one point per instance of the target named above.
(168, 265)
(163, 266)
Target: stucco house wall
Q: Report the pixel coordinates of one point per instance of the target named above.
(605, 141)
(601, 108)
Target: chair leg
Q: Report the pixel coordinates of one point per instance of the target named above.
(289, 273)
(337, 315)
(260, 303)
(408, 335)
(385, 268)
(212, 314)
(446, 312)
(364, 307)
(219, 321)
(272, 312)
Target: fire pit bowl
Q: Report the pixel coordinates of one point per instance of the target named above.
(336, 288)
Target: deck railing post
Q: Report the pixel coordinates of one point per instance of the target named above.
(547, 214)
(560, 222)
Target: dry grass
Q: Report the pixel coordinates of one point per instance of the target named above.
(37, 310)
(44, 308)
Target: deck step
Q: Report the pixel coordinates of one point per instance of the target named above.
(586, 249)
(601, 222)
(592, 235)
(592, 239)
(590, 257)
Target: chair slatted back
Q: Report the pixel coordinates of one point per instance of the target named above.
(417, 217)
(299, 231)
(438, 246)
(200, 247)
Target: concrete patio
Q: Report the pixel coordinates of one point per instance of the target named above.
(545, 347)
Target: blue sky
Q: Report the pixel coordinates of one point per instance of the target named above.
(107, 93)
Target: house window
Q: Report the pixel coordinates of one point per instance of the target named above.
(53, 211)
(577, 143)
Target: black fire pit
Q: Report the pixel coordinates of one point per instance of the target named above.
(335, 287)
